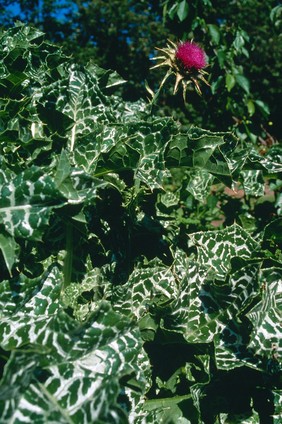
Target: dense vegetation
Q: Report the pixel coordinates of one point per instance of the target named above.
(242, 40)
(141, 257)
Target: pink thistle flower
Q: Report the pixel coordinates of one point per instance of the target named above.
(190, 55)
(186, 61)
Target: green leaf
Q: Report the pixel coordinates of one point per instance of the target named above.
(172, 11)
(84, 298)
(9, 250)
(194, 148)
(150, 287)
(69, 371)
(253, 182)
(270, 163)
(230, 81)
(22, 325)
(199, 184)
(107, 78)
(243, 82)
(170, 409)
(222, 56)
(264, 108)
(63, 168)
(251, 107)
(278, 408)
(273, 232)
(57, 121)
(203, 309)
(216, 249)
(216, 84)
(137, 146)
(266, 336)
(27, 203)
(214, 33)
(79, 98)
(275, 15)
(182, 10)
(239, 41)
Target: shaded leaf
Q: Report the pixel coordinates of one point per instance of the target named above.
(243, 82)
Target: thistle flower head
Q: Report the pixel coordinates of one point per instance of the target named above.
(186, 60)
(190, 55)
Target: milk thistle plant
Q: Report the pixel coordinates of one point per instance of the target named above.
(186, 60)
(119, 302)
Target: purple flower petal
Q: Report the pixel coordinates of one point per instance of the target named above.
(190, 55)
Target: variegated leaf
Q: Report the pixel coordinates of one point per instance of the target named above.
(216, 248)
(266, 318)
(147, 288)
(80, 99)
(27, 202)
(253, 182)
(62, 370)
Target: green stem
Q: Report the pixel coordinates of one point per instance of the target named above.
(153, 102)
